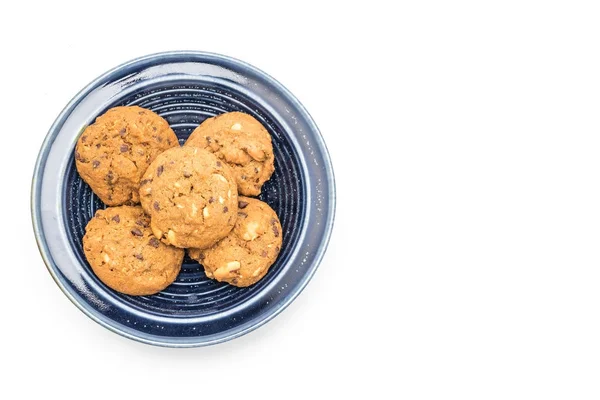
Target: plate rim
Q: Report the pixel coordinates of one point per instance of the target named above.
(45, 149)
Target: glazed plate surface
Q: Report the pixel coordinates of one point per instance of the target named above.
(186, 88)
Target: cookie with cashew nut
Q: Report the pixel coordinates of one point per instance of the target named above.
(113, 153)
(243, 143)
(246, 254)
(191, 197)
(126, 256)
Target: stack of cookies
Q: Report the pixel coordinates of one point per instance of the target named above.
(192, 197)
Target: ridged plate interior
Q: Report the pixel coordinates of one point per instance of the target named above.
(185, 106)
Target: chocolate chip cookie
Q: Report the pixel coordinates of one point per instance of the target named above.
(243, 143)
(112, 154)
(190, 196)
(126, 256)
(245, 255)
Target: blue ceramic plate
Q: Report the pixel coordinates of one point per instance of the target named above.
(186, 88)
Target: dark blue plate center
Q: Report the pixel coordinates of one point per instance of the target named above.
(185, 106)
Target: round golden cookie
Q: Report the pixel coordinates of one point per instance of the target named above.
(126, 256)
(112, 154)
(242, 142)
(246, 254)
(190, 196)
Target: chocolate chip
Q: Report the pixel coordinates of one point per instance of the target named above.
(219, 164)
(263, 253)
(154, 242)
(136, 232)
(225, 209)
(83, 139)
(123, 131)
(277, 249)
(159, 138)
(273, 221)
(160, 170)
(98, 145)
(141, 112)
(244, 177)
(95, 163)
(208, 139)
(142, 222)
(78, 156)
(124, 148)
(116, 218)
(211, 199)
(110, 176)
(154, 128)
(256, 170)
(139, 257)
(242, 204)
(242, 214)
(201, 257)
(187, 174)
(275, 231)
(156, 206)
(234, 281)
(145, 181)
(169, 142)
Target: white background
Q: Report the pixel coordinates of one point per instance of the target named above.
(464, 261)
